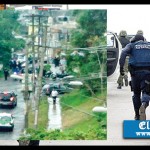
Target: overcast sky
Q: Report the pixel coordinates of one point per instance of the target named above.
(124, 17)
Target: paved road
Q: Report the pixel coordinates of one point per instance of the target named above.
(18, 111)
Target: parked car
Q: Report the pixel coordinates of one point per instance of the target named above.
(6, 121)
(8, 99)
(62, 89)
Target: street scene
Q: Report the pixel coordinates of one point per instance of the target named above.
(48, 83)
(65, 75)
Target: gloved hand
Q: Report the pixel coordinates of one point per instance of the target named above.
(122, 71)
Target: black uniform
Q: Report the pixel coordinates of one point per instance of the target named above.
(139, 64)
(6, 73)
(124, 41)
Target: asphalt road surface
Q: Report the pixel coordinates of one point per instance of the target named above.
(18, 111)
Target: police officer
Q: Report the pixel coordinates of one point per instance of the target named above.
(6, 73)
(138, 32)
(139, 68)
(124, 41)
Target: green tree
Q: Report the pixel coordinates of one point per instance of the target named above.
(92, 24)
(8, 25)
(90, 31)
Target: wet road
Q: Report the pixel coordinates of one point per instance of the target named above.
(18, 112)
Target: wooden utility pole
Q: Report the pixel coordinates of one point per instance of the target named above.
(39, 83)
(33, 51)
(26, 88)
(37, 89)
(39, 38)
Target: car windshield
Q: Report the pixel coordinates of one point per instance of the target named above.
(6, 95)
(5, 119)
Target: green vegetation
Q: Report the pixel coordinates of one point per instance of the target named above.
(1, 74)
(78, 97)
(89, 33)
(42, 119)
(9, 25)
(47, 67)
(92, 25)
(91, 134)
(77, 112)
(79, 122)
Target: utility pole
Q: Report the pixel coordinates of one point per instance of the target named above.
(39, 32)
(33, 51)
(37, 89)
(25, 87)
(39, 83)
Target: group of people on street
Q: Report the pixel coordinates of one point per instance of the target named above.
(15, 65)
(60, 62)
(124, 40)
(135, 58)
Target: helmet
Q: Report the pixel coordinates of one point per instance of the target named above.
(136, 38)
(140, 32)
(123, 33)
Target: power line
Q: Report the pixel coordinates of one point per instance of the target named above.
(79, 110)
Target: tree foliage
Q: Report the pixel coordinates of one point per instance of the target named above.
(90, 31)
(92, 24)
(8, 25)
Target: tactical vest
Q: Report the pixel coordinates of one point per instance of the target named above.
(140, 54)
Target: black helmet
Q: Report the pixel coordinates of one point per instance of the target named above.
(136, 38)
(140, 32)
(123, 33)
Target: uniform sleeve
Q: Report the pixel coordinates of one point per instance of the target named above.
(125, 52)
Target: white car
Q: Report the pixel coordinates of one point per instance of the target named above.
(6, 122)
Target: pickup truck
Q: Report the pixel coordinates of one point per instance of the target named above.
(114, 48)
